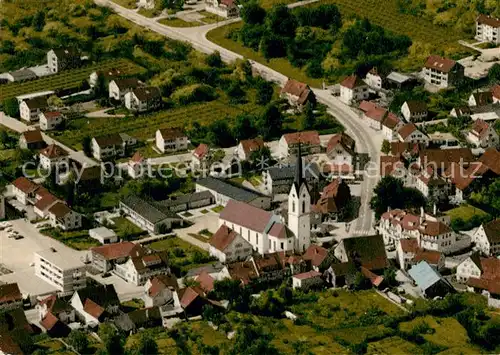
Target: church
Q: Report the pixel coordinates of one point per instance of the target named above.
(266, 231)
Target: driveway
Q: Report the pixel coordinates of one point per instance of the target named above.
(208, 221)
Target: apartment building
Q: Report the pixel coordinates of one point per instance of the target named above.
(442, 72)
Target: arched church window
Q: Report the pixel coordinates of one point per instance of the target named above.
(293, 206)
(303, 206)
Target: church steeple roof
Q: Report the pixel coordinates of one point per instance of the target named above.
(299, 172)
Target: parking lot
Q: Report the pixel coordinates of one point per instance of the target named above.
(17, 255)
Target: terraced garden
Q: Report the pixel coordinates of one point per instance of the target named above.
(69, 79)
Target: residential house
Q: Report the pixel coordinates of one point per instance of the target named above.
(409, 133)
(443, 139)
(224, 192)
(414, 111)
(142, 99)
(161, 290)
(434, 258)
(390, 126)
(307, 280)
(223, 8)
(442, 72)
(31, 139)
(487, 238)
(200, 157)
(308, 140)
(44, 201)
(441, 159)
(353, 89)
(340, 274)
(483, 135)
(137, 166)
(395, 166)
(54, 157)
(430, 281)
(297, 93)
(279, 179)
(374, 79)
(61, 269)
(108, 75)
(148, 216)
(480, 98)
(491, 158)
(30, 109)
(341, 149)
(10, 296)
(50, 120)
(406, 249)
(96, 303)
(138, 269)
(108, 147)
(488, 29)
(247, 146)
(24, 190)
(461, 111)
(63, 59)
(54, 315)
(243, 271)
(103, 235)
(319, 257)
(334, 198)
(465, 180)
(170, 140)
(63, 217)
(431, 185)
(228, 246)
(106, 256)
(119, 87)
(366, 251)
(138, 319)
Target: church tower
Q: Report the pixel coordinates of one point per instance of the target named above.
(299, 208)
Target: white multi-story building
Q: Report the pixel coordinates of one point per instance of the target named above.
(171, 140)
(488, 29)
(119, 87)
(30, 110)
(50, 120)
(442, 72)
(61, 216)
(107, 147)
(143, 99)
(54, 157)
(353, 89)
(487, 238)
(409, 133)
(61, 269)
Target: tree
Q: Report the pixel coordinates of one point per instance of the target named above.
(243, 127)
(235, 92)
(386, 147)
(87, 146)
(281, 22)
(271, 122)
(261, 158)
(360, 282)
(5, 139)
(253, 13)
(147, 345)
(172, 4)
(100, 88)
(11, 107)
(38, 21)
(390, 276)
(309, 120)
(78, 340)
(55, 102)
(219, 134)
(214, 60)
(252, 340)
(265, 92)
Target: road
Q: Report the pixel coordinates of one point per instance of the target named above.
(20, 127)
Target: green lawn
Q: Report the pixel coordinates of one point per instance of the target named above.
(134, 303)
(209, 17)
(177, 22)
(218, 209)
(78, 240)
(129, 4)
(465, 212)
(149, 13)
(218, 36)
(392, 345)
(126, 229)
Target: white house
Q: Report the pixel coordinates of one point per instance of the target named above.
(54, 157)
(390, 127)
(409, 133)
(24, 190)
(228, 246)
(170, 140)
(246, 147)
(137, 270)
(50, 120)
(60, 268)
(353, 89)
(431, 185)
(108, 74)
(307, 280)
(103, 235)
(297, 93)
(224, 8)
(414, 111)
(44, 202)
(137, 166)
(62, 59)
(96, 303)
(61, 216)
(119, 87)
(142, 99)
(483, 135)
(200, 157)
(374, 79)
(487, 238)
(309, 142)
(109, 146)
(30, 110)
(161, 290)
(488, 29)
(442, 72)
(340, 149)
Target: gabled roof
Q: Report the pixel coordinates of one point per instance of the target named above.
(8, 345)
(375, 279)
(409, 245)
(246, 215)
(137, 157)
(59, 209)
(161, 282)
(118, 250)
(201, 151)
(187, 296)
(45, 202)
(227, 189)
(56, 304)
(416, 106)
(36, 103)
(32, 136)
(492, 231)
(171, 133)
(109, 140)
(222, 238)
(407, 130)
(442, 158)
(288, 172)
(10, 293)
(102, 295)
(434, 228)
(432, 257)
(491, 158)
(54, 151)
(307, 275)
(424, 275)
(344, 140)
(480, 128)
(150, 212)
(93, 308)
(389, 164)
(376, 114)
(439, 63)
(147, 93)
(252, 145)
(243, 271)
(316, 254)
(25, 185)
(49, 321)
(52, 115)
(488, 20)
(206, 281)
(352, 82)
(366, 106)
(127, 83)
(306, 137)
(391, 121)
(23, 74)
(280, 231)
(483, 98)
(400, 148)
(296, 88)
(369, 251)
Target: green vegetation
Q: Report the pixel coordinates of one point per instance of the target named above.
(466, 217)
(178, 22)
(78, 240)
(126, 230)
(129, 4)
(218, 209)
(209, 17)
(134, 303)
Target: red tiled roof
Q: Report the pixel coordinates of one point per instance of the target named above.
(161, 282)
(93, 308)
(49, 321)
(480, 128)
(10, 293)
(388, 164)
(366, 106)
(46, 201)
(492, 231)
(391, 121)
(243, 271)
(432, 257)
(307, 275)
(280, 231)
(406, 220)
(316, 254)
(409, 245)
(201, 151)
(228, 3)
(352, 82)
(252, 145)
(245, 215)
(434, 228)
(375, 279)
(117, 250)
(407, 130)
(439, 63)
(491, 158)
(296, 88)
(496, 91)
(488, 20)
(344, 140)
(33, 136)
(306, 137)
(206, 281)
(188, 296)
(49, 115)
(25, 185)
(59, 209)
(377, 114)
(442, 158)
(137, 157)
(400, 148)
(54, 151)
(222, 238)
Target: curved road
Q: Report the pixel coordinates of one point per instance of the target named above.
(367, 140)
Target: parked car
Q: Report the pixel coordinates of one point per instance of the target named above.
(17, 237)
